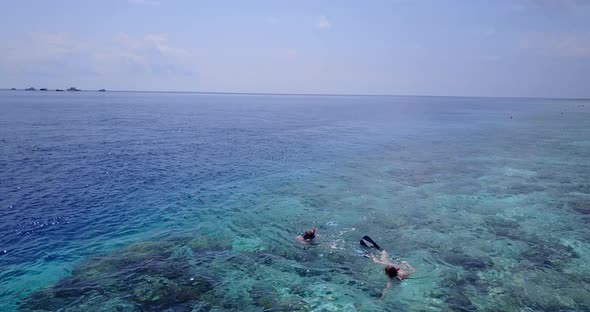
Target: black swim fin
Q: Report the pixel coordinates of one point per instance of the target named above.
(368, 242)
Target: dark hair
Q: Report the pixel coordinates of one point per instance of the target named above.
(391, 271)
(308, 235)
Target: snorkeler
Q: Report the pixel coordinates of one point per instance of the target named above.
(392, 270)
(400, 271)
(307, 236)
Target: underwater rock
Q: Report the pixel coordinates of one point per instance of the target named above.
(317, 200)
(471, 278)
(205, 243)
(71, 287)
(581, 206)
(504, 228)
(537, 300)
(549, 255)
(243, 244)
(456, 257)
(413, 177)
(266, 259)
(292, 304)
(42, 300)
(201, 307)
(518, 189)
(581, 298)
(375, 292)
(199, 243)
(104, 303)
(263, 296)
(201, 284)
(338, 258)
(453, 279)
(305, 272)
(495, 222)
(92, 302)
(539, 291)
(454, 298)
(269, 299)
(508, 233)
(130, 256)
(458, 301)
(146, 276)
(452, 287)
(184, 254)
(152, 289)
(162, 291)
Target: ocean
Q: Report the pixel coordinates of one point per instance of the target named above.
(117, 201)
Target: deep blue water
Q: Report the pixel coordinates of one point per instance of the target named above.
(488, 198)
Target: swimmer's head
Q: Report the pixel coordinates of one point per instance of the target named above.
(391, 271)
(309, 235)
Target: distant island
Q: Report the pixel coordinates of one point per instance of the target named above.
(71, 89)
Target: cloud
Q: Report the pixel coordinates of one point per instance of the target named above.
(55, 54)
(161, 43)
(144, 2)
(42, 53)
(150, 54)
(557, 44)
(323, 23)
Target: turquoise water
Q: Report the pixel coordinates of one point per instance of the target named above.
(191, 202)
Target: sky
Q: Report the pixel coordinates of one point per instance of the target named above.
(514, 48)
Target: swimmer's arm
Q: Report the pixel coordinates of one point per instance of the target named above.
(384, 257)
(384, 292)
(377, 260)
(408, 267)
(380, 260)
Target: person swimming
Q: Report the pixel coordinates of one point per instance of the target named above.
(307, 236)
(400, 271)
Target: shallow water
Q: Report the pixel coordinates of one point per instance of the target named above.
(191, 202)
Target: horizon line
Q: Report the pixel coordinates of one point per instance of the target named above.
(303, 94)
